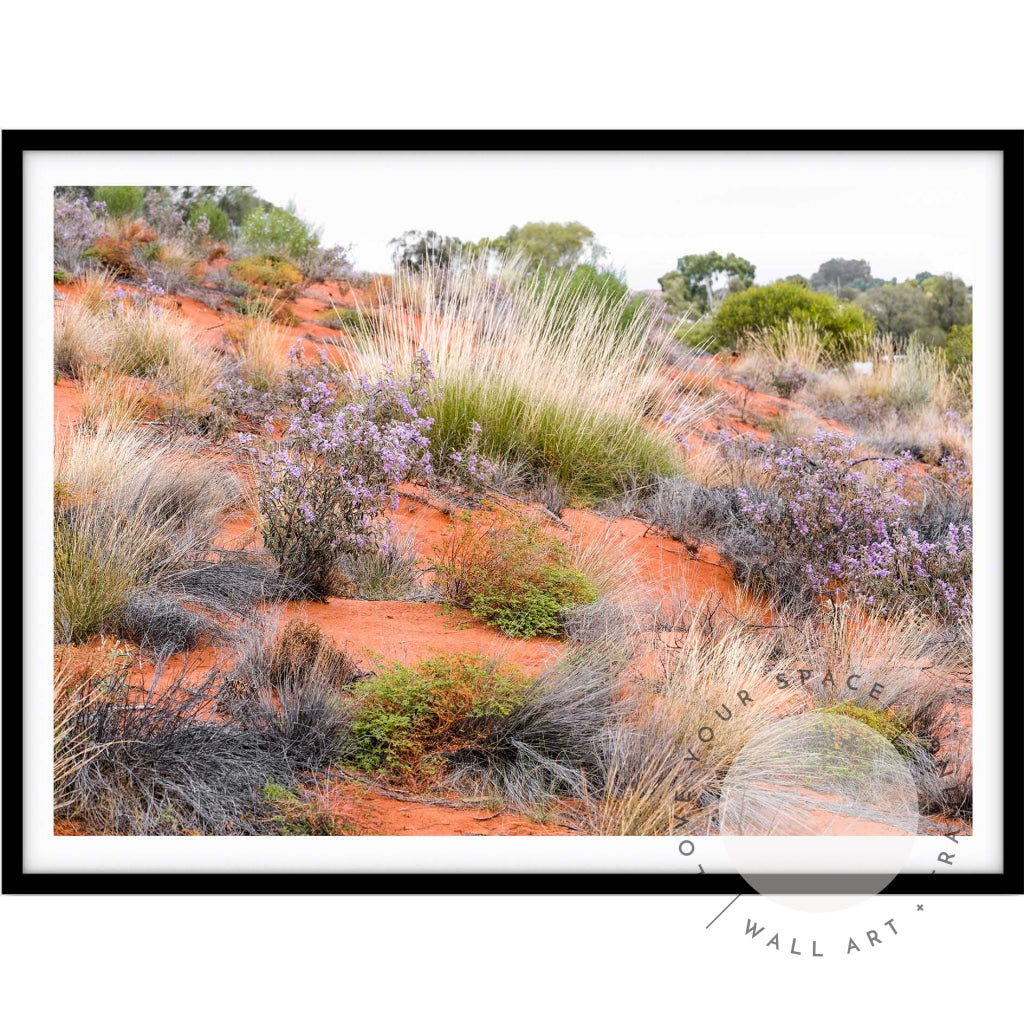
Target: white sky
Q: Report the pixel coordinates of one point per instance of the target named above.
(786, 212)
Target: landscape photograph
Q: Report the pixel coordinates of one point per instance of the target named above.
(515, 518)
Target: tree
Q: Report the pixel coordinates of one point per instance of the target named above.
(417, 250)
(950, 300)
(897, 309)
(548, 245)
(772, 306)
(693, 282)
(839, 273)
(121, 200)
(277, 232)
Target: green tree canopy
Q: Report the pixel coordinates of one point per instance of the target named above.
(121, 200)
(773, 305)
(277, 232)
(548, 245)
(694, 281)
(950, 300)
(838, 273)
(897, 309)
(417, 250)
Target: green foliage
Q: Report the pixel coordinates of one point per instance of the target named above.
(693, 281)
(404, 715)
(889, 723)
(897, 309)
(89, 588)
(121, 200)
(533, 607)
(60, 276)
(294, 815)
(604, 285)
(510, 573)
(950, 300)
(836, 274)
(775, 305)
(342, 318)
(418, 250)
(273, 272)
(281, 233)
(220, 226)
(548, 245)
(959, 346)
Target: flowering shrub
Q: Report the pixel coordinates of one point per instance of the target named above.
(324, 487)
(77, 225)
(789, 378)
(843, 531)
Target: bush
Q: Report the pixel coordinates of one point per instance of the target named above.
(788, 379)
(266, 272)
(133, 760)
(843, 532)
(81, 339)
(509, 572)
(775, 305)
(77, 224)
(325, 264)
(324, 487)
(130, 514)
(385, 571)
(207, 218)
(277, 232)
(571, 404)
(155, 759)
(120, 200)
(289, 683)
(959, 346)
(404, 717)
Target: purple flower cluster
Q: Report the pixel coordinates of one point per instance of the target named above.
(347, 443)
(851, 533)
(76, 226)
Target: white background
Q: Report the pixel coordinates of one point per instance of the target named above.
(800, 65)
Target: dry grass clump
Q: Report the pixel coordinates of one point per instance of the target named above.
(258, 348)
(195, 753)
(131, 513)
(126, 339)
(906, 677)
(81, 339)
(559, 380)
(109, 400)
(666, 761)
(797, 343)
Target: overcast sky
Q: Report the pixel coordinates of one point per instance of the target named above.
(785, 212)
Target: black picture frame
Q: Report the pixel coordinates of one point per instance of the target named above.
(15, 144)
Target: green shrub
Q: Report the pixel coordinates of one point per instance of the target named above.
(121, 200)
(508, 572)
(217, 219)
(959, 346)
(299, 814)
(341, 318)
(266, 272)
(277, 232)
(775, 305)
(406, 717)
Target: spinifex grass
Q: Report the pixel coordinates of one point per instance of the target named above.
(559, 380)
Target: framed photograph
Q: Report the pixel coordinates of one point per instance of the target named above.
(552, 512)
